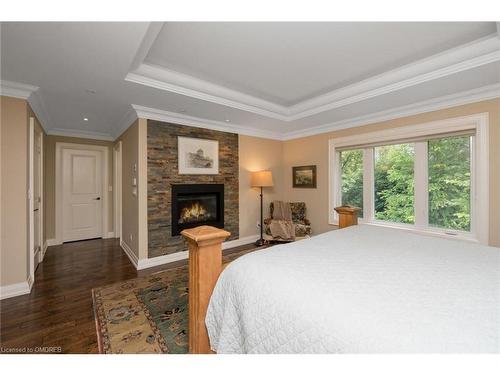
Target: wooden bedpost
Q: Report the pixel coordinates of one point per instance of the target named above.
(205, 264)
(348, 215)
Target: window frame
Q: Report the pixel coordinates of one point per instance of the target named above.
(479, 190)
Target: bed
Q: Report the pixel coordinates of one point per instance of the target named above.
(363, 289)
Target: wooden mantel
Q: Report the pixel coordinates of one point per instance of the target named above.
(205, 265)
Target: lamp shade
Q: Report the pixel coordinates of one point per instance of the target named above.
(262, 179)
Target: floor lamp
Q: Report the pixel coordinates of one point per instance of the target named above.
(261, 180)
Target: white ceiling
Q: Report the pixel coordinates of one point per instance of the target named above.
(277, 80)
(289, 62)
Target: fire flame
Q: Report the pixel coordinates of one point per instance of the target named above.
(193, 213)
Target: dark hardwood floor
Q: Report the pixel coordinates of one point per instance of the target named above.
(58, 312)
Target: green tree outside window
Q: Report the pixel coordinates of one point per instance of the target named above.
(351, 163)
(394, 183)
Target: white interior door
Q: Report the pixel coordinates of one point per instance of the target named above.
(82, 194)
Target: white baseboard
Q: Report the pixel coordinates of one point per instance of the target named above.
(42, 253)
(239, 242)
(53, 242)
(165, 259)
(133, 258)
(14, 290)
(110, 235)
(30, 282)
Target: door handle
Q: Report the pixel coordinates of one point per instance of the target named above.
(36, 209)
(97, 199)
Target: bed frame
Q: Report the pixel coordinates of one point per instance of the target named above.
(205, 266)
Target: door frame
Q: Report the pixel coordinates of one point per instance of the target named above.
(117, 186)
(60, 146)
(38, 134)
(31, 215)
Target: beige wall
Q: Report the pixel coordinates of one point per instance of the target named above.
(134, 207)
(130, 205)
(314, 150)
(14, 184)
(50, 179)
(257, 154)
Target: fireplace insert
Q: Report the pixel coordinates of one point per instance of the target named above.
(197, 204)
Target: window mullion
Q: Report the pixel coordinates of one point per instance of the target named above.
(421, 185)
(368, 185)
(473, 187)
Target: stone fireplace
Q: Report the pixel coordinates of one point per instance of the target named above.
(197, 204)
(163, 176)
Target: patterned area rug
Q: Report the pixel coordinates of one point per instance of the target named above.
(147, 314)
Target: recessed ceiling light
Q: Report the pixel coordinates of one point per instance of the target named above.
(227, 120)
(85, 119)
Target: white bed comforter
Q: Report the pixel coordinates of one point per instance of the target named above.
(363, 289)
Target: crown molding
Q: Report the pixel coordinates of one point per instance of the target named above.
(137, 111)
(435, 104)
(38, 106)
(465, 57)
(80, 134)
(177, 118)
(183, 84)
(150, 36)
(448, 101)
(472, 55)
(16, 89)
(126, 121)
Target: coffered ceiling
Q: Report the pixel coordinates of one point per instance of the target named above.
(276, 80)
(287, 63)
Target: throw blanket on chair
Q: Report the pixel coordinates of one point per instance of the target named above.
(281, 225)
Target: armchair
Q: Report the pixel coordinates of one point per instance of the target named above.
(302, 225)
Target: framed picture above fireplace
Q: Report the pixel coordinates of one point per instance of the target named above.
(198, 156)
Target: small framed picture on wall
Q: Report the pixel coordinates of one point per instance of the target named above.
(304, 177)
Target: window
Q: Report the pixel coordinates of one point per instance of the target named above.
(352, 178)
(394, 183)
(449, 182)
(426, 178)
